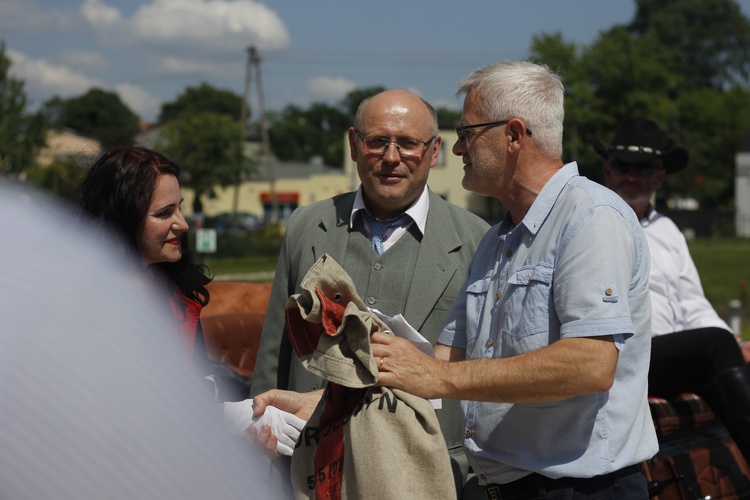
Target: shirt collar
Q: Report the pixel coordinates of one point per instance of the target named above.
(417, 210)
(544, 201)
(651, 214)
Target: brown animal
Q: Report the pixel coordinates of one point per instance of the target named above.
(236, 297)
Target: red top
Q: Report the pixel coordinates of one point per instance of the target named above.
(187, 318)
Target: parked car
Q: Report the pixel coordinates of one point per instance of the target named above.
(241, 223)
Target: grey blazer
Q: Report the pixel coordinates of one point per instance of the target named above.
(451, 237)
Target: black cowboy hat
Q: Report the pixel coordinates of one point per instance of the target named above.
(638, 141)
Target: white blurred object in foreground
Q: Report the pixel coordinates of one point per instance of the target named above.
(97, 397)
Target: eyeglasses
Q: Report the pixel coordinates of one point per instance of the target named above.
(460, 130)
(644, 169)
(407, 148)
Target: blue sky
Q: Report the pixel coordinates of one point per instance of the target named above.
(149, 51)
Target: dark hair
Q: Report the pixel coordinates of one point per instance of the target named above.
(116, 192)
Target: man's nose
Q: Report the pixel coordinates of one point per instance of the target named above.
(458, 148)
(392, 154)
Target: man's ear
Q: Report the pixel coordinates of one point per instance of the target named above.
(352, 144)
(436, 145)
(515, 135)
(517, 129)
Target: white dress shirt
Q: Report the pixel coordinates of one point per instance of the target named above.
(677, 300)
(417, 211)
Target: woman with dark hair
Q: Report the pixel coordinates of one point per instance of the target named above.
(136, 192)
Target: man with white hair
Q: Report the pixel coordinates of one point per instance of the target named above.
(547, 347)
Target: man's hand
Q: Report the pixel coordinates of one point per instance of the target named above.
(402, 366)
(299, 404)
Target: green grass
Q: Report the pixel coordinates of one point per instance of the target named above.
(241, 265)
(724, 268)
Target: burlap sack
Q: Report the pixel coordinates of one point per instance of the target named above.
(362, 441)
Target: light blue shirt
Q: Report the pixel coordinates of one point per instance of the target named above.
(576, 266)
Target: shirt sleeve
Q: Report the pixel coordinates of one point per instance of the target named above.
(596, 269)
(697, 311)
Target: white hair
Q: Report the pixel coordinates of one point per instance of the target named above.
(525, 90)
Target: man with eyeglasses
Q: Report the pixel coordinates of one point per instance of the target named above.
(547, 347)
(693, 349)
(405, 248)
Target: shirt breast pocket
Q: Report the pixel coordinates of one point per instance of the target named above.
(528, 301)
(476, 297)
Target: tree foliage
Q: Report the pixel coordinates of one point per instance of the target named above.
(683, 64)
(709, 39)
(21, 132)
(447, 117)
(201, 131)
(99, 114)
(350, 103)
(207, 147)
(61, 177)
(203, 98)
(298, 134)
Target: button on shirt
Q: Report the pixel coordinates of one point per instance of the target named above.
(677, 299)
(576, 266)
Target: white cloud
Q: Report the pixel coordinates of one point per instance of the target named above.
(141, 102)
(197, 39)
(84, 59)
(26, 16)
(191, 28)
(330, 87)
(99, 14)
(41, 75)
(181, 66)
(44, 78)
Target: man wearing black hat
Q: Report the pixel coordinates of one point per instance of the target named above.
(705, 357)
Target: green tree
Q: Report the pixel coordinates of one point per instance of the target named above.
(298, 134)
(204, 98)
(712, 124)
(21, 133)
(60, 177)
(447, 117)
(354, 98)
(680, 63)
(99, 114)
(709, 40)
(207, 147)
(566, 59)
